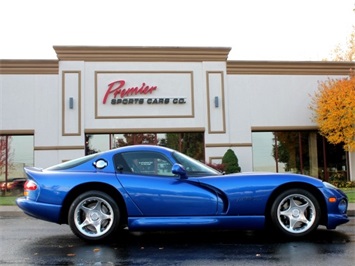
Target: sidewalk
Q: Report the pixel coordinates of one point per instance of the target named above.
(351, 209)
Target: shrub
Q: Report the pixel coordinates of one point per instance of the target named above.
(230, 161)
(339, 180)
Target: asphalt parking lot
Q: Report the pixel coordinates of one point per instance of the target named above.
(28, 241)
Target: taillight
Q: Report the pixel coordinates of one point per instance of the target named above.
(29, 185)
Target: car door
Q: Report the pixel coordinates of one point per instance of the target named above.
(147, 179)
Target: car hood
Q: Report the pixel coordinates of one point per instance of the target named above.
(255, 179)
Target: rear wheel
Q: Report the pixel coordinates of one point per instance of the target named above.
(295, 212)
(94, 216)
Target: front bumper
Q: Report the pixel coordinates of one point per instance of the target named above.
(336, 219)
(337, 206)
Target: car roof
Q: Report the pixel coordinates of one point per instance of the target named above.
(140, 148)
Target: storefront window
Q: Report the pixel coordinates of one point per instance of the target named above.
(263, 160)
(304, 152)
(95, 143)
(16, 152)
(120, 140)
(190, 143)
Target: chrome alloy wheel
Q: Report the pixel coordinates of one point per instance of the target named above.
(93, 216)
(296, 213)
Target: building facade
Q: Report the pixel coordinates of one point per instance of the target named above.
(103, 94)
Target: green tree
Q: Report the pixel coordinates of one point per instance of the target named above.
(137, 138)
(191, 144)
(230, 161)
(173, 141)
(286, 149)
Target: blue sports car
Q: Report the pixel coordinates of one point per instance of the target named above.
(155, 188)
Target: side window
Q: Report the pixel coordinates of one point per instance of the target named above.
(121, 165)
(143, 163)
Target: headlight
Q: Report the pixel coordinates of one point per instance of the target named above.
(343, 206)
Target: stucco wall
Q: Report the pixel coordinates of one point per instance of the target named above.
(250, 96)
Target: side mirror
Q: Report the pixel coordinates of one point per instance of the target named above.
(179, 170)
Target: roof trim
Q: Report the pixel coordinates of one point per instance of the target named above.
(289, 68)
(282, 128)
(174, 54)
(141, 54)
(29, 67)
(17, 132)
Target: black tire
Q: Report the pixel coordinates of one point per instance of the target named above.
(295, 213)
(94, 216)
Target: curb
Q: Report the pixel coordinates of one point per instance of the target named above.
(351, 213)
(10, 209)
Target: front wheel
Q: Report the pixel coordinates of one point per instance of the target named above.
(94, 216)
(295, 212)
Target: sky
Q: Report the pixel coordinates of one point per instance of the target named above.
(272, 30)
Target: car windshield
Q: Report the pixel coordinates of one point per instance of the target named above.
(71, 163)
(194, 167)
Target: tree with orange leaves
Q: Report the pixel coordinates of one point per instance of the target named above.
(345, 52)
(334, 110)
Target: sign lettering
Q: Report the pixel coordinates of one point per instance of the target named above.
(117, 88)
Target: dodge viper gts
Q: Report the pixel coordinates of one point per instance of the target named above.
(147, 187)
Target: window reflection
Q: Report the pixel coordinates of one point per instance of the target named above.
(16, 152)
(304, 152)
(263, 160)
(189, 143)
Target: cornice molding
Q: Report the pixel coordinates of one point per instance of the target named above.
(225, 145)
(56, 148)
(29, 67)
(174, 54)
(289, 68)
(141, 54)
(17, 132)
(283, 128)
(142, 130)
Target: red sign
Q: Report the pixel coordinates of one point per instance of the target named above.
(117, 88)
